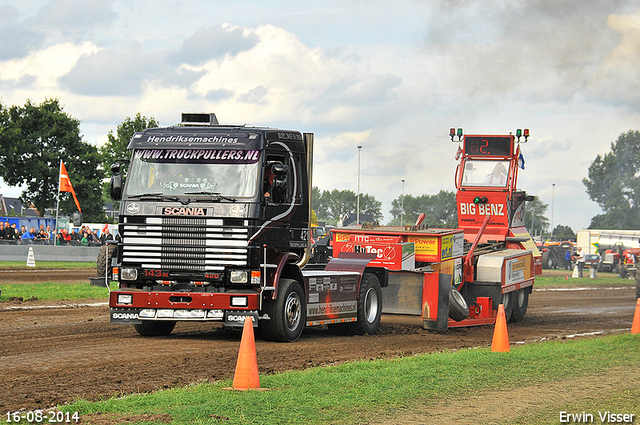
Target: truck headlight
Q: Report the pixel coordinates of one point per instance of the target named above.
(127, 273)
(238, 276)
(125, 299)
(239, 301)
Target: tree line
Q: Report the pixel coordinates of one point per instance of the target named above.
(35, 137)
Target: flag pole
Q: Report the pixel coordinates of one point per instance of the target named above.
(58, 202)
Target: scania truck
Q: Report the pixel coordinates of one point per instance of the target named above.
(214, 226)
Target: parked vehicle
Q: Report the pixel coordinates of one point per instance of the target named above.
(593, 260)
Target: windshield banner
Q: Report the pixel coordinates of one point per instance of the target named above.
(209, 156)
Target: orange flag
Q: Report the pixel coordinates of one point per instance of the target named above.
(65, 184)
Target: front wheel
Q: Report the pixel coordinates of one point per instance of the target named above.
(149, 328)
(287, 314)
(520, 304)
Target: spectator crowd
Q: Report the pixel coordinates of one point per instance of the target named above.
(10, 234)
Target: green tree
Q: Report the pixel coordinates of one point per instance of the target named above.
(330, 206)
(534, 218)
(614, 183)
(440, 210)
(563, 232)
(33, 140)
(116, 146)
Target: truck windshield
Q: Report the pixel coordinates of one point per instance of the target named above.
(485, 173)
(233, 174)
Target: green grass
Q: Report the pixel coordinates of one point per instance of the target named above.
(53, 291)
(48, 265)
(384, 390)
(602, 279)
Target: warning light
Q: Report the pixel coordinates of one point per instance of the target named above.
(480, 200)
(453, 134)
(519, 134)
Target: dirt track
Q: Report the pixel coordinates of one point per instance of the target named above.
(52, 353)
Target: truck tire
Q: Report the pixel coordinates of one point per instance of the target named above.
(148, 328)
(287, 314)
(637, 285)
(105, 253)
(547, 260)
(520, 303)
(508, 300)
(369, 307)
(458, 307)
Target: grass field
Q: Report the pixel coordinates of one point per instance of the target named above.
(53, 291)
(47, 265)
(422, 389)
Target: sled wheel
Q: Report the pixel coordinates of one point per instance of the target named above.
(520, 303)
(458, 307)
(508, 300)
(287, 314)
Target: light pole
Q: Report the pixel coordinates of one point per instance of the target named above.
(402, 204)
(553, 198)
(358, 199)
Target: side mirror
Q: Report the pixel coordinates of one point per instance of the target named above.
(279, 187)
(115, 187)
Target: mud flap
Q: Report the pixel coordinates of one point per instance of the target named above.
(235, 319)
(440, 324)
(125, 315)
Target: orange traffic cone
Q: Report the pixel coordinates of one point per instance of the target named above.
(500, 341)
(635, 327)
(246, 376)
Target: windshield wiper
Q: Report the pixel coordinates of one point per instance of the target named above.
(154, 196)
(183, 201)
(217, 195)
(160, 197)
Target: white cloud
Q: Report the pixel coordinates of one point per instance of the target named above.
(47, 65)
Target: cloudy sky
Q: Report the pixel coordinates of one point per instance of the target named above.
(392, 77)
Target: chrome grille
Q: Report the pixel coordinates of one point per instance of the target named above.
(194, 244)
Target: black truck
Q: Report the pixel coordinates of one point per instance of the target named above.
(214, 226)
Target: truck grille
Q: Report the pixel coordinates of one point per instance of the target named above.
(191, 244)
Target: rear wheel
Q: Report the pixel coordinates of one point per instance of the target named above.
(287, 314)
(520, 304)
(148, 328)
(369, 307)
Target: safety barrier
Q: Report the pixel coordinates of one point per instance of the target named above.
(49, 253)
